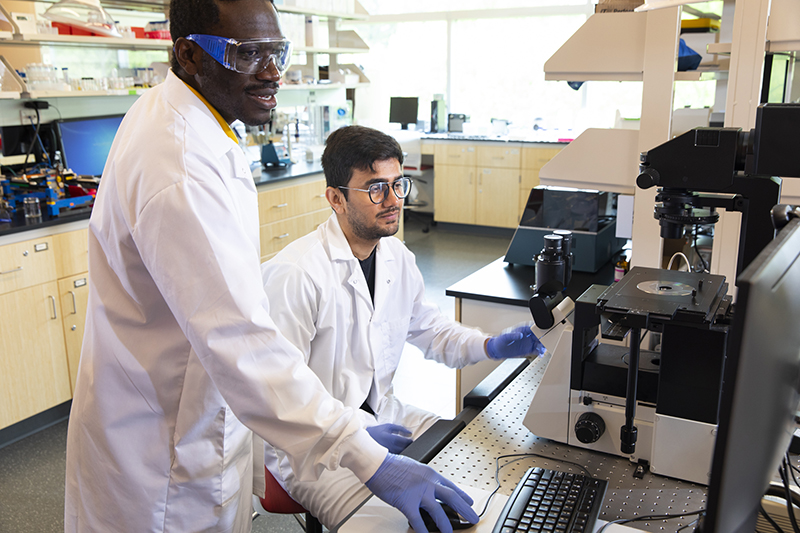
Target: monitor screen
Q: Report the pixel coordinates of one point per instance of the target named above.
(403, 110)
(85, 143)
(760, 388)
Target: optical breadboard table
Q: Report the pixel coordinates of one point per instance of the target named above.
(469, 459)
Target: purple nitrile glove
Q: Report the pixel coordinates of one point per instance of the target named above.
(519, 342)
(408, 485)
(393, 437)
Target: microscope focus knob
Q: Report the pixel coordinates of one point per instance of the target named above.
(589, 428)
(647, 178)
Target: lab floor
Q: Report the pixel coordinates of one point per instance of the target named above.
(32, 469)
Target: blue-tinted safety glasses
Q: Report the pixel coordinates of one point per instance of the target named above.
(249, 56)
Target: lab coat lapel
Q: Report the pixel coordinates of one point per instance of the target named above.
(340, 251)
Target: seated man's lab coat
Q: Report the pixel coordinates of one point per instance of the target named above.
(320, 301)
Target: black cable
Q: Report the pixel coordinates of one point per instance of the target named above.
(769, 519)
(33, 141)
(697, 251)
(690, 524)
(519, 457)
(45, 155)
(650, 517)
(788, 493)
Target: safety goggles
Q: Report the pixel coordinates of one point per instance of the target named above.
(379, 192)
(249, 56)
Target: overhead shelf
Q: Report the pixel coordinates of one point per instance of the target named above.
(608, 47)
(89, 40)
(598, 159)
(83, 94)
(327, 14)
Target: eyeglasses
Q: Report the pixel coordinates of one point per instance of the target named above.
(379, 192)
(250, 56)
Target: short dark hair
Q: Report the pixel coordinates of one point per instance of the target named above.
(192, 16)
(356, 147)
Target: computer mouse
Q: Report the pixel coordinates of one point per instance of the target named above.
(456, 522)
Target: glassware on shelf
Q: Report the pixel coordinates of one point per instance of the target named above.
(84, 14)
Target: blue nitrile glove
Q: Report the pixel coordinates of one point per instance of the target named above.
(519, 342)
(408, 485)
(393, 437)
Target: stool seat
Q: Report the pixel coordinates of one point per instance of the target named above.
(277, 500)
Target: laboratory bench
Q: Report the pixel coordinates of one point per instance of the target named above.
(44, 280)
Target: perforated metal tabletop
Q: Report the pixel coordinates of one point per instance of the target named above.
(469, 459)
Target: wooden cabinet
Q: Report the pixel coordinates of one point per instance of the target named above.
(42, 324)
(498, 189)
(485, 183)
(33, 365)
(532, 161)
(454, 194)
(290, 210)
(73, 295)
(25, 264)
(71, 252)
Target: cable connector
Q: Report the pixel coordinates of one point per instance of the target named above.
(36, 104)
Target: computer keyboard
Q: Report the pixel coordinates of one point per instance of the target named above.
(551, 501)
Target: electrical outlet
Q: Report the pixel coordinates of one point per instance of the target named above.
(26, 115)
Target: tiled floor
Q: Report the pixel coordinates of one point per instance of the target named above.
(32, 470)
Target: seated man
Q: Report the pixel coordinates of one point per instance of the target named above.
(349, 300)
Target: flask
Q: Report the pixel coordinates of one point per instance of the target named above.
(621, 268)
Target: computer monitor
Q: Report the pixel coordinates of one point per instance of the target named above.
(403, 110)
(760, 388)
(85, 142)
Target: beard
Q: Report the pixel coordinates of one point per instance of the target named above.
(364, 230)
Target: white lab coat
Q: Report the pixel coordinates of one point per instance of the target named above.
(320, 301)
(179, 350)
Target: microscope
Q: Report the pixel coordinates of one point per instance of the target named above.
(601, 390)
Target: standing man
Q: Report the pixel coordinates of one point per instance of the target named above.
(349, 299)
(180, 353)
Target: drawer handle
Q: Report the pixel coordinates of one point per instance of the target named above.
(282, 205)
(53, 300)
(321, 195)
(10, 271)
(282, 236)
(74, 305)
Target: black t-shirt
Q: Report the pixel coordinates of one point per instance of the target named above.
(368, 267)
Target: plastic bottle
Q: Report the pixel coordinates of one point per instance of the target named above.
(621, 268)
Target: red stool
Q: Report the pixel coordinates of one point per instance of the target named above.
(277, 501)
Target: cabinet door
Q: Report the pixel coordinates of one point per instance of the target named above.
(74, 296)
(71, 251)
(497, 201)
(454, 194)
(33, 361)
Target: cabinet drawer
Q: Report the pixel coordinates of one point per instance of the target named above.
(25, 264)
(536, 158)
(498, 156)
(275, 236)
(71, 252)
(280, 204)
(454, 154)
